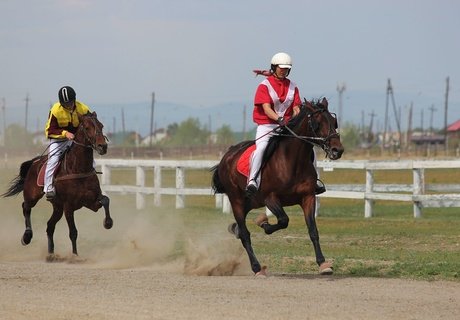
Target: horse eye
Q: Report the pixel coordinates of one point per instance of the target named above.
(314, 125)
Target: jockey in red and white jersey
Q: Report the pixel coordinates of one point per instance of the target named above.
(276, 100)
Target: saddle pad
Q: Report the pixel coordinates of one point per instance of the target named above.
(243, 162)
(41, 175)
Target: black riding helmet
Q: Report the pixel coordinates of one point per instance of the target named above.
(66, 94)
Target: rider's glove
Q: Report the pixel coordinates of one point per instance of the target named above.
(281, 121)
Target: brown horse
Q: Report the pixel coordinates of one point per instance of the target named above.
(75, 182)
(288, 176)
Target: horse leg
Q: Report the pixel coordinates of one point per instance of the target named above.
(308, 207)
(103, 201)
(281, 216)
(73, 232)
(28, 233)
(108, 222)
(51, 226)
(241, 231)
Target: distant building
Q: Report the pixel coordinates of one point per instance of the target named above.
(421, 138)
(454, 127)
(156, 137)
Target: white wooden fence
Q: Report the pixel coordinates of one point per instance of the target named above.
(442, 195)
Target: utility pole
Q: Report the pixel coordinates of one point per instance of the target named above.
(340, 89)
(432, 109)
(151, 119)
(395, 111)
(446, 99)
(123, 122)
(409, 126)
(244, 122)
(421, 124)
(27, 111)
(385, 125)
(4, 118)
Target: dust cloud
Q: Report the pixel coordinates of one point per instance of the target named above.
(153, 239)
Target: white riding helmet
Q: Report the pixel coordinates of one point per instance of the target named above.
(281, 59)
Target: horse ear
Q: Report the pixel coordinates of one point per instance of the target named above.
(324, 102)
(307, 103)
(94, 114)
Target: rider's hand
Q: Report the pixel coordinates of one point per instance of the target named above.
(281, 121)
(69, 135)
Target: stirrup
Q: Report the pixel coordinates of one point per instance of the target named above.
(50, 195)
(250, 191)
(320, 188)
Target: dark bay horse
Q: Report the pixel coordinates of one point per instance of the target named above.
(75, 182)
(288, 176)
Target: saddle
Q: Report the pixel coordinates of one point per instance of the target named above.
(243, 162)
(41, 172)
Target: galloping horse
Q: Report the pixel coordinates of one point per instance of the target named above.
(288, 176)
(75, 182)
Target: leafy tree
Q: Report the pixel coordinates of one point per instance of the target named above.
(172, 129)
(225, 135)
(350, 136)
(189, 133)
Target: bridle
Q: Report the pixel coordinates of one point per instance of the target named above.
(92, 140)
(321, 142)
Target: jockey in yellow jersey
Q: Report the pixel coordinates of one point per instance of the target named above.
(60, 129)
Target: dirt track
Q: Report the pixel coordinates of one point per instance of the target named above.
(39, 290)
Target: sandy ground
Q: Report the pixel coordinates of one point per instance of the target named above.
(39, 290)
(134, 272)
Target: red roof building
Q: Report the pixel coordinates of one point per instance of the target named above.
(454, 126)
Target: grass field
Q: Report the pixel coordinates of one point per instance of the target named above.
(390, 244)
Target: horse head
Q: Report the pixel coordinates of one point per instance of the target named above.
(90, 132)
(317, 125)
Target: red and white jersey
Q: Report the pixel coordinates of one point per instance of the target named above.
(282, 94)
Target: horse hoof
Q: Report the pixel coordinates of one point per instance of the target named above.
(27, 237)
(262, 273)
(108, 223)
(76, 259)
(326, 268)
(261, 219)
(233, 229)
(53, 258)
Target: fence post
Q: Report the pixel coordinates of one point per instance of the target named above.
(140, 182)
(419, 188)
(219, 200)
(157, 186)
(368, 203)
(180, 184)
(106, 175)
(226, 207)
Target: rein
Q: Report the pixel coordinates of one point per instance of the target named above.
(91, 145)
(315, 141)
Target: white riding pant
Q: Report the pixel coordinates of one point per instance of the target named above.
(55, 150)
(263, 134)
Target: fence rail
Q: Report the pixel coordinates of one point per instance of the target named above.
(446, 195)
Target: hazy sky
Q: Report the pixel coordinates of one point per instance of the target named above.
(201, 52)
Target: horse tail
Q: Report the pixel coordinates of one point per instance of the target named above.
(217, 185)
(17, 184)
